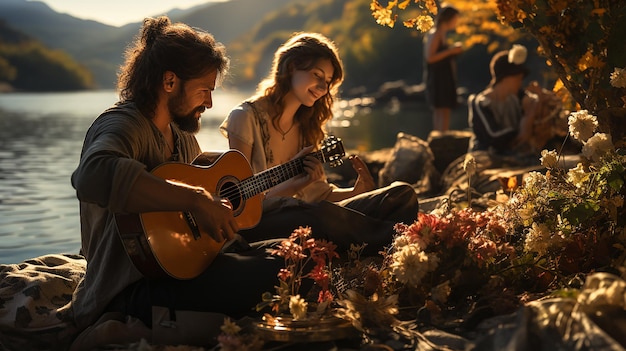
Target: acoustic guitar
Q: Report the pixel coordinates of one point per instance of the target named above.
(170, 243)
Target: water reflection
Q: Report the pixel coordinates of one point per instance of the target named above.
(38, 208)
(365, 127)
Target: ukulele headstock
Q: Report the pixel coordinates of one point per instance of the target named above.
(332, 151)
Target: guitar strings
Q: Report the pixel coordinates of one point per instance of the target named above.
(295, 166)
(244, 186)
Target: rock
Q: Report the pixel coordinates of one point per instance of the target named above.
(448, 146)
(411, 160)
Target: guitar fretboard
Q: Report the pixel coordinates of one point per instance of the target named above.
(265, 180)
(271, 177)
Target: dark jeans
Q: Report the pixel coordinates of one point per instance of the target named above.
(232, 285)
(366, 218)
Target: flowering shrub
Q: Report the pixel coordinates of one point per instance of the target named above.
(434, 264)
(574, 219)
(299, 252)
(552, 230)
(580, 39)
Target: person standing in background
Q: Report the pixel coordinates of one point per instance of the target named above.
(440, 68)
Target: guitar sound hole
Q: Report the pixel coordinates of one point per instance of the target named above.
(229, 190)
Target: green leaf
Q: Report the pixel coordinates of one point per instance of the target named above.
(579, 213)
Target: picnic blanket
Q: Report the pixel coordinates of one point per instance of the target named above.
(35, 302)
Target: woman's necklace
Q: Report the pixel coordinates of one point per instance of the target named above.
(283, 134)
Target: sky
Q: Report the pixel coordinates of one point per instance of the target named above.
(119, 12)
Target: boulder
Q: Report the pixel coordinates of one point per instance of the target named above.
(411, 161)
(448, 146)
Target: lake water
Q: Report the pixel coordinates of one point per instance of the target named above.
(41, 137)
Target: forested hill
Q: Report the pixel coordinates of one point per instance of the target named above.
(100, 47)
(371, 54)
(26, 64)
(252, 30)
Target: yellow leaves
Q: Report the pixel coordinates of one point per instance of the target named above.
(509, 11)
(385, 15)
(421, 23)
(493, 46)
(490, 26)
(431, 6)
(508, 183)
(589, 60)
(475, 40)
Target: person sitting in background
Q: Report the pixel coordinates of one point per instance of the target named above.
(286, 120)
(502, 116)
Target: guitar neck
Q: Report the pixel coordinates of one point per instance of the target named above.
(271, 177)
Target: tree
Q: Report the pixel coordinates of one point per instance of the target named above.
(582, 41)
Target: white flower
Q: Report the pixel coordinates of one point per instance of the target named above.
(538, 238)
(548, 158)
(410, 264)
(517, 54)
(297, 307)
(401, 241)
(597, 146)
(534, 180)
(582, 125)
(577, 175)
(618, 78)
(527, 212)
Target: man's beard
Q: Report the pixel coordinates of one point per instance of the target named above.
(188, 123)
(185, 121)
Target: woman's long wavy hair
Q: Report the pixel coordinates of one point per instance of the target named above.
(163, 46)
(301, 52)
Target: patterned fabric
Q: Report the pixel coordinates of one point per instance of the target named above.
(35, 301)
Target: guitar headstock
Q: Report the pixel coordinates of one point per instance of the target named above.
(332, 151)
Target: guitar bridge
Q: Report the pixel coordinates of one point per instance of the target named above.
(191, 222)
